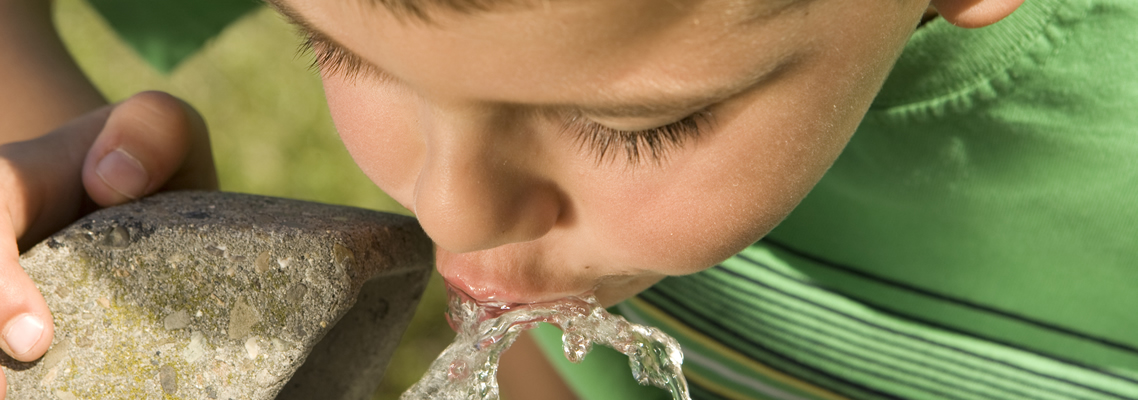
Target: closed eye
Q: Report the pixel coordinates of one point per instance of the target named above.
(330, 58)
(654, 143)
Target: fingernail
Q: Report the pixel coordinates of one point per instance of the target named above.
(23, 334)
(123, 173)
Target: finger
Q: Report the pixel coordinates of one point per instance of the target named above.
(41, 178)
(41, 194)
(26, 327)
(150, 141)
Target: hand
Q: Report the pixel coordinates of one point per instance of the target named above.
(110, 156)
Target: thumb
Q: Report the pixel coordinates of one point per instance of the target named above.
(26, 327)
(151, 141)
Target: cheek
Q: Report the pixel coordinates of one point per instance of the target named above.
(729, 188)
(376, 124)
(695, 211)
(702, 213)
(683, 234)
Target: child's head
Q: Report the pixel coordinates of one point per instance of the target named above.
(551, 147)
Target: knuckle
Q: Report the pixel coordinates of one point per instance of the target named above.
(159, 106)
(159, 115)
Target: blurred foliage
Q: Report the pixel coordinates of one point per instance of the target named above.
(270, 128)
(165, 32)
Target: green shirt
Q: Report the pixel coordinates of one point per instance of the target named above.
(978, 238)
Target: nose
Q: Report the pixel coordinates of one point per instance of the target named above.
(481, 184)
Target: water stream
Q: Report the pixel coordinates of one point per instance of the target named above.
(467, 369)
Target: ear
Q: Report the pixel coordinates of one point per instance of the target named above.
(975, 13)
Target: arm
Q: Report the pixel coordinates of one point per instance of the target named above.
(525, 373)
(42, 85)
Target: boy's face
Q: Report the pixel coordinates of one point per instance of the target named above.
(490, 126)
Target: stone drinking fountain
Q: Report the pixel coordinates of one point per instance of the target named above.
(210, 295)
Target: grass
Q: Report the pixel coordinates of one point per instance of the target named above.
(270, 130)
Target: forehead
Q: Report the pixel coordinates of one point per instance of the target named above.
(551, 52)
(423, 9)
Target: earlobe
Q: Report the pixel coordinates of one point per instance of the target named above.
(975, 13)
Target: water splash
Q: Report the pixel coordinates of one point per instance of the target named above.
(468, 368)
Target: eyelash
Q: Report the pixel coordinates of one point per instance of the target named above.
(654, 143)
(329, 58)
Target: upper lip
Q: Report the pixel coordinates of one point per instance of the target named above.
(508, 285)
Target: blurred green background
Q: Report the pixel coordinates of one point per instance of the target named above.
(271, 133)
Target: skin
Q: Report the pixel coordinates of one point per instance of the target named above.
(468, 135)
(471, 134)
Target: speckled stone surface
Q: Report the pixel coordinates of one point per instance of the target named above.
(209, 295)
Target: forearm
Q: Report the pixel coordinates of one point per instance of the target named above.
(42, 87)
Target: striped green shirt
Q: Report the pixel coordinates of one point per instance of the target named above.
(977, 239)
